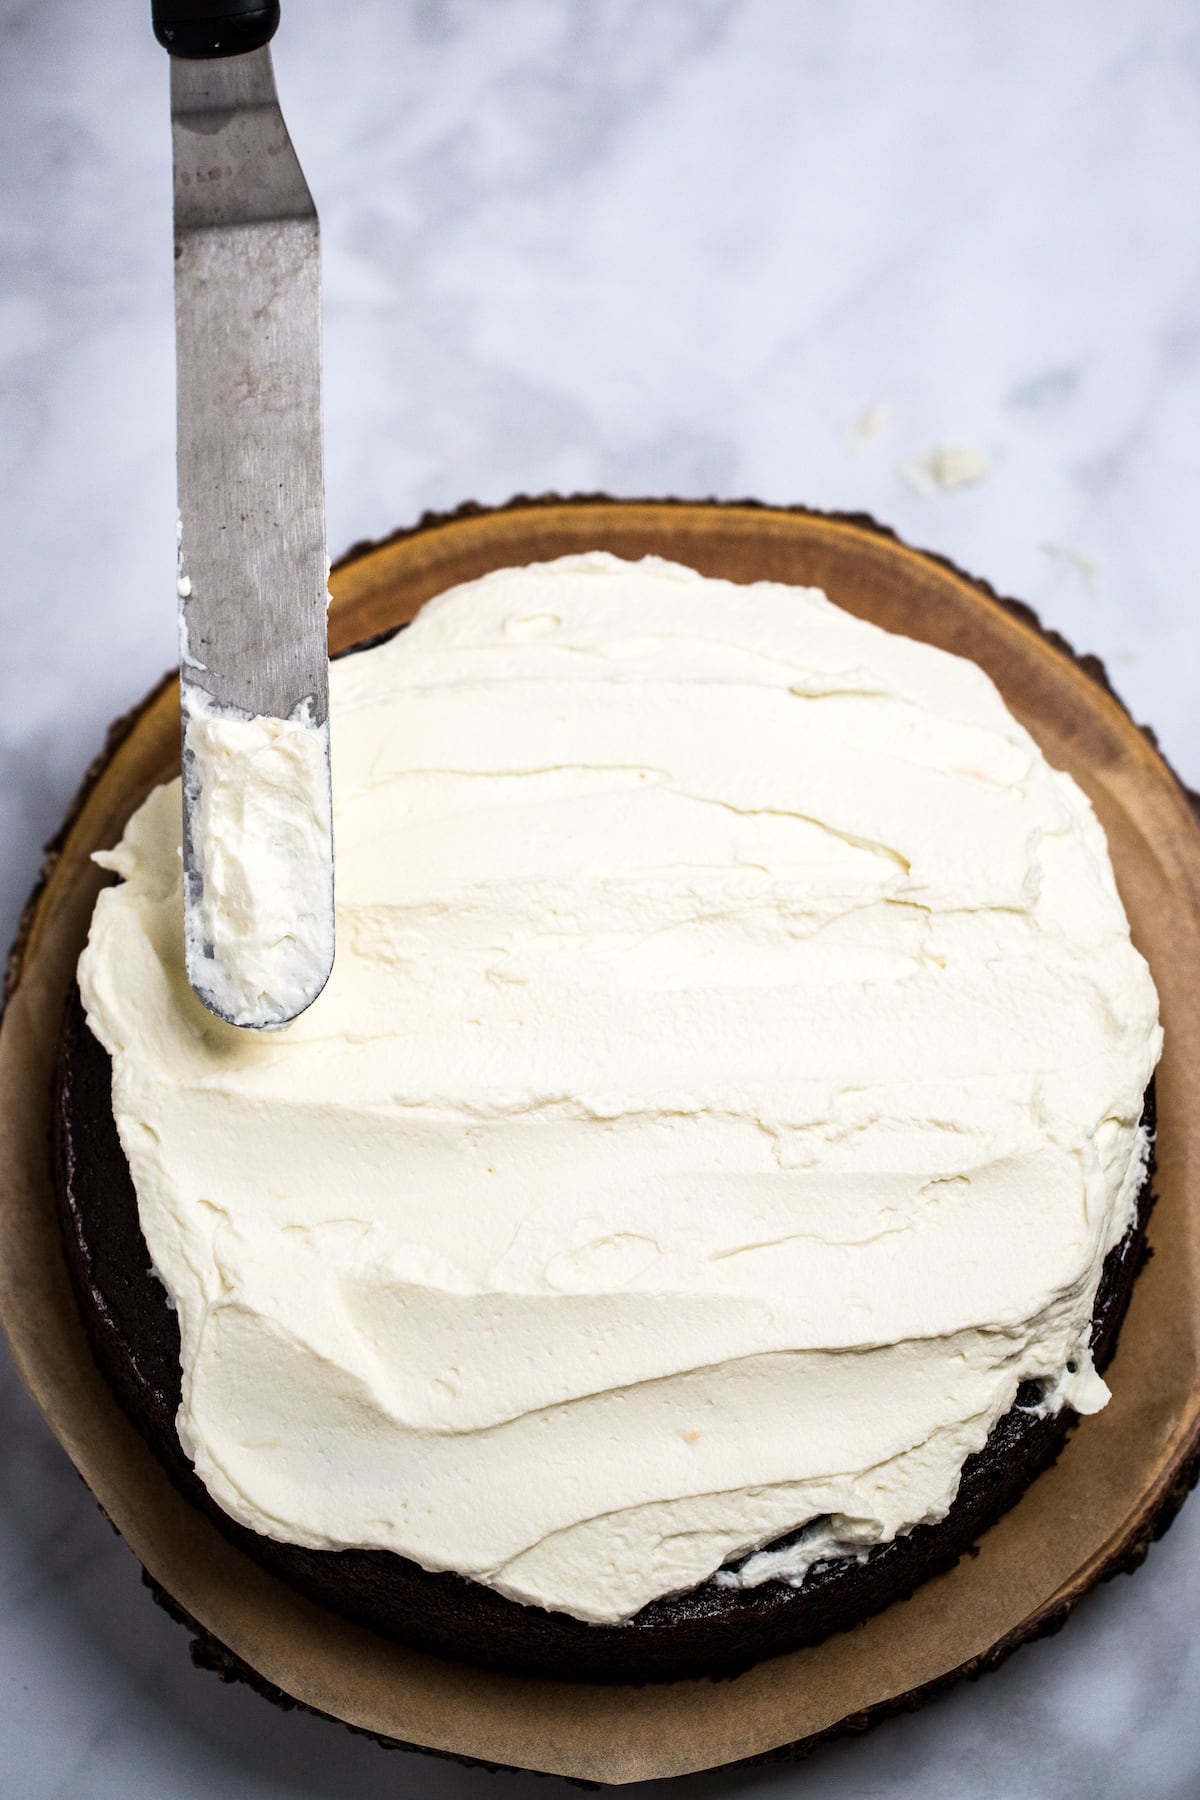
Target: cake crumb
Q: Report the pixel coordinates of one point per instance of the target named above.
(945, 468)
(1082, 565)
(869, 426)
(690, 1437)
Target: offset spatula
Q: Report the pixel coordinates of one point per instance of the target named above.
(254, 670)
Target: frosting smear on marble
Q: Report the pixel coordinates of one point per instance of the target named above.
(725, 1096)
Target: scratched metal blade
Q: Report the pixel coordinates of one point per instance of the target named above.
(252, 563)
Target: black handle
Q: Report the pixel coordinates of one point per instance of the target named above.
(203, 29)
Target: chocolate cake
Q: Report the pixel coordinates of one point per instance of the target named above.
(715, 1626)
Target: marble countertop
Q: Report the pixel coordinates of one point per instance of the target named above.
(700, 247)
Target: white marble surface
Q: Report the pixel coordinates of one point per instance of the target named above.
(667, 248)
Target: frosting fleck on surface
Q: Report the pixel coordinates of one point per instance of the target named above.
(726, 1093)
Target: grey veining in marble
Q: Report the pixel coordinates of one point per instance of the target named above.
(680, 247)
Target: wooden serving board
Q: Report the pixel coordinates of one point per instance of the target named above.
(1124, 1472)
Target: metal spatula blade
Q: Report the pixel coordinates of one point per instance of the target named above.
(257, 837)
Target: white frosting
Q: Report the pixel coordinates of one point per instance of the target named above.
(725, 1096)
(945, 468)
(260, 942)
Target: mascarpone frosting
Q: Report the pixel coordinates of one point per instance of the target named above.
(726, 1094)
(259, 940)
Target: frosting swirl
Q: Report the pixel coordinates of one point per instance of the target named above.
(726, 1093)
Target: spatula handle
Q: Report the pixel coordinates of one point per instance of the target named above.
(203, 29)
